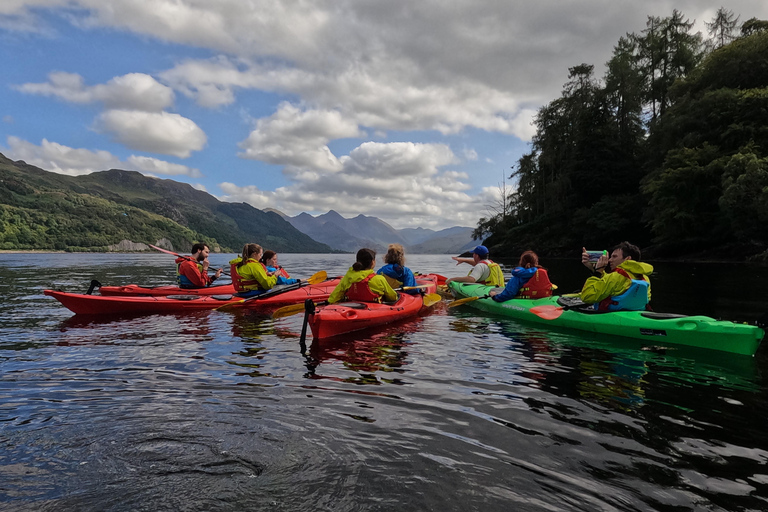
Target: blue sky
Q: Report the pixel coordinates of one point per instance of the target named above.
(412, 112)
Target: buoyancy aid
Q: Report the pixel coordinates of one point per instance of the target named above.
(495, 277)
(537, 286)
(360, 291)
(182, 280)
(635, 298)
(238, 282)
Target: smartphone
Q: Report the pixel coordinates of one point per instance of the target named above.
(595, 255)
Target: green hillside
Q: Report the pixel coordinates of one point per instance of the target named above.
(42, 210)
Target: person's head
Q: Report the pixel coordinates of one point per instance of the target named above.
(479, 253)
(251, 251)
(365, 259)
(528, 259)
(200, 251)
(269, 258)
(623, 252)
(395, 255)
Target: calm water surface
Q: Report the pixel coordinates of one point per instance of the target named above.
(452, 411)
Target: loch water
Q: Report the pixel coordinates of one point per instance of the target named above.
(454, 410)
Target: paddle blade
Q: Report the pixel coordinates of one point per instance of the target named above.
(288, 310)
(318, 277)
(419, 287)
(230, 305)
(465, 300)
(431, 299)
(547, 312)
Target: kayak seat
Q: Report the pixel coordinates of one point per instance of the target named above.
(222, 297)
(660, 316)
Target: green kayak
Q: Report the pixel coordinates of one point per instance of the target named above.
(656, 328)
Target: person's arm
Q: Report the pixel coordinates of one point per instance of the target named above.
(594, 266)
(408, 278)
(379, 285)
(510, 291)
(465, 279)
(260, 275)
(599, 288)
(459, 260)
(337, 295)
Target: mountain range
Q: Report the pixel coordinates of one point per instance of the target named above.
(125, 210)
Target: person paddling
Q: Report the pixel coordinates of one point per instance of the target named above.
(192, 272)
(362, 284)
(269, 259)
(249, 275)
(528, 281)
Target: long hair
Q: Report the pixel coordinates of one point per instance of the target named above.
(248, 251)
(395, 254)
(528, 259)
(267, 256)
(364, 259)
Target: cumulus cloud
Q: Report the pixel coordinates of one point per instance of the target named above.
(298, 138)
(134, 91)
(155, 132)
(61, 159)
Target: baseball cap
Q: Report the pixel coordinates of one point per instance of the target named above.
(480, 250)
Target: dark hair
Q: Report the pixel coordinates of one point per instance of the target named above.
(364, 259)
(528, 259)
(395, 254)
(248, 250)
(267, 256)
(199, 247)
(629, 250)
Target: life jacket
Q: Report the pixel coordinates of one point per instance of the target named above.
(360, 291)
(279, 271)
(182, 280)
(496, 276)
(634, 299)
(538, 286)
(238, 282)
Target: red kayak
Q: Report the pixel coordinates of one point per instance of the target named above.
(85, 304)
(135, 289)
(343, 317)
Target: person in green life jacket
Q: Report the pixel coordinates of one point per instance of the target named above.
(362, 284)
(249, 275)
(269, 259)
(620, 282)
(192, 271)
(485, 271)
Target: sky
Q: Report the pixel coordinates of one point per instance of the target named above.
(411, 111)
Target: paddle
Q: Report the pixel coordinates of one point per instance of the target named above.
(188, 258)
(298, 308)
(548, 312)
(459, 302)
(317, 277)
(431, 299)
(309, 309)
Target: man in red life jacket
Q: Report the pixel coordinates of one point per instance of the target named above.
(192, 272)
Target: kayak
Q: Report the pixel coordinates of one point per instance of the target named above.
(694, 331)
(343, 317)
(135, 289)
(84, 304)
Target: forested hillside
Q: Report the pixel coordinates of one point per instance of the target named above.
(48, 211)
(669, 150)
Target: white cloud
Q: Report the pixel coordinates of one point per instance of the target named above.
(155, 132)
(134, 91)
(61, 159)
(298, 138)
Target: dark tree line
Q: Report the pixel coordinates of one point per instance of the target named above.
(669, 149)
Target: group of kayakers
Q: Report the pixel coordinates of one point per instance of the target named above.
(620, 280)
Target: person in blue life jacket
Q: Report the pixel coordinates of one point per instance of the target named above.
(362, 284)
(528, 281)
(620, 282)
(395, 271)
(484, 270)
(269, 259)
(192, 271)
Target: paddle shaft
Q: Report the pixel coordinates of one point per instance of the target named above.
(188, 258)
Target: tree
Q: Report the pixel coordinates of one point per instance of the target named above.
(722, 28)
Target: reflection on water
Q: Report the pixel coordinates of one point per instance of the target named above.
(455, 410)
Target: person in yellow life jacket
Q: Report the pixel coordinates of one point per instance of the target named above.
(249, 275)
(192, 271)
(484, 271)
(620, 282)
(362, 284)
(528, 281)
